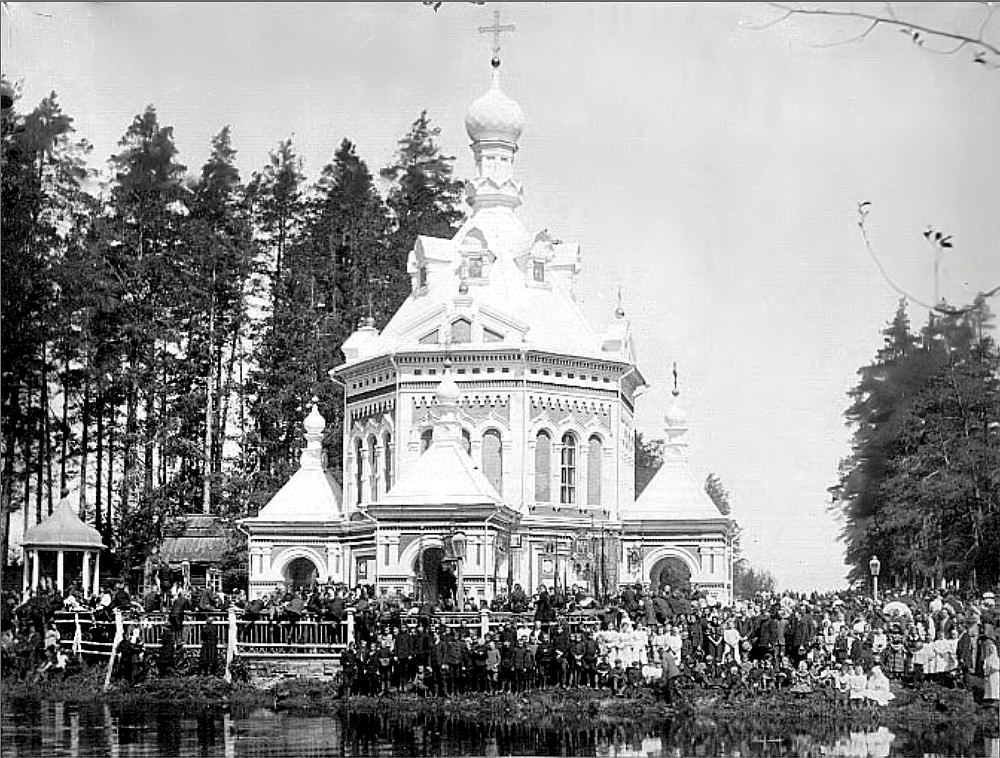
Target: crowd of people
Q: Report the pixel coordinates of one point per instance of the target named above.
(840, 645)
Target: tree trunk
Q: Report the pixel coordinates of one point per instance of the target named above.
(11, 421)
(98, 500)
(84, 442)
(40, 463)
(109, 521)
(149, 437)
(206, 476)
(131, 462)
(64, 432)
(227, 391)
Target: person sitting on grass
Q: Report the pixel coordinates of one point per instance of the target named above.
(53, 666)
(603, 675)
(633, 679)
(877, 690)
(617, 677)
(857, 684)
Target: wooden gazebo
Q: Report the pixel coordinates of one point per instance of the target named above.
(63, 533)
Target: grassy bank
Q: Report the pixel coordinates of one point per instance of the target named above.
(932, 705)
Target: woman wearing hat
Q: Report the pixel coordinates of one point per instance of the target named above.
(991, 671)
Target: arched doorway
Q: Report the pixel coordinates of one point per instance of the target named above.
(428, 568)
(300, 572)
(672, 572)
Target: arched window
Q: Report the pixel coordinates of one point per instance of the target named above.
(567, 469)
(373, 467)
(467, 442)
(387, 460)
(493, 459)
(426, 437)
(543, 466)
(595, 452)
(359, 460)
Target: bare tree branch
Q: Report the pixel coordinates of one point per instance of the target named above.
(864, 209)
(918, 33)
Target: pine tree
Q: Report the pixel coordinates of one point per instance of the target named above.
(148, 208)
(424, 198)
(45, 216)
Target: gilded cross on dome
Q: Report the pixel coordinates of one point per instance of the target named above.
(496, 30)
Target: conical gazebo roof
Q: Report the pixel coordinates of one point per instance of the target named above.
(62, 530)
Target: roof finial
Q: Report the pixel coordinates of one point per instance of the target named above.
(620, 309)
(675, 392)
(496, 30)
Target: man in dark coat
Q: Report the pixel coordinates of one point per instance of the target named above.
(177, 610)
(208, 658)
(544, 611)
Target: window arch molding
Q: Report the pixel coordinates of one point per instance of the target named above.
(491, 453)
(543, 442)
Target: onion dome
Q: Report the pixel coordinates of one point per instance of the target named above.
(676, 416)
(494, 116)
(314, 423)
(447, 391)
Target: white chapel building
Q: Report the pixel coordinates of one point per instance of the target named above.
(489, 429)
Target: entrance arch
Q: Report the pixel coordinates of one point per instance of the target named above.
(671, 565)
(670, 571)
(300, 572)
(427, 571)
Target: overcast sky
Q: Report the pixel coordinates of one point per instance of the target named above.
(710, 169)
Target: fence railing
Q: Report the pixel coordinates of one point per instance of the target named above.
(275, 637)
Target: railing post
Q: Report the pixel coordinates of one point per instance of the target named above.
(119, 636)
(350, 625)
(231, 644)
(77, 634)
(484, 622)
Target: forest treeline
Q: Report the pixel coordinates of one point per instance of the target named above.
(921, 488)
(163, 329)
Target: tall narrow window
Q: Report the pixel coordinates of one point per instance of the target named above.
(467, 441)
(567, 477)
(387, 461)
(359, 460)
(543, 466)
(422, 277)
(538, 271)
(595, 453)
(493, 459)
(373, 467)
(426, 437)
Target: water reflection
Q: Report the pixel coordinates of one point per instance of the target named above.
(58, 729)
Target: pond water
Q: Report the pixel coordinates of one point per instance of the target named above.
(97, 729)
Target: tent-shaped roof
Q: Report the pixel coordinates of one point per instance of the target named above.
(311, 495)
(673, 494)
(63, 529)
(443, 475)
(203, 540)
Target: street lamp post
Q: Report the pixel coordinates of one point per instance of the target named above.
(874, 565)
(458, 543)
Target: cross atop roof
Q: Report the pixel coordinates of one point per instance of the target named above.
(496, 30)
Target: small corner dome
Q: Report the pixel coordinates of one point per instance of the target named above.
(494, 116)
(314, 423)
(447, 391)
(675, 416)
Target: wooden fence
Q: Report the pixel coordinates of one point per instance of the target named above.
(268, 638)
